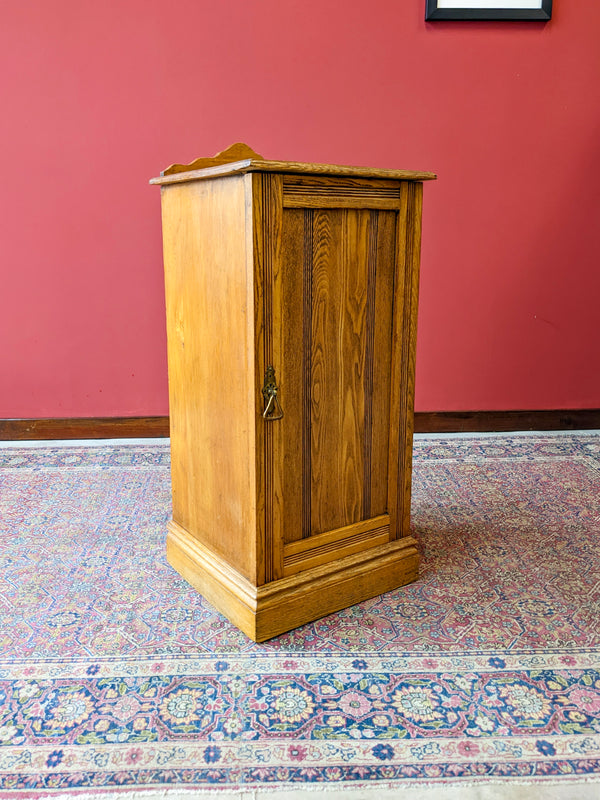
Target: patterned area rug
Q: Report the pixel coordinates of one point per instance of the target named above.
(114, 673)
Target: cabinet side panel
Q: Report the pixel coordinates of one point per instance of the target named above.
(211, 366)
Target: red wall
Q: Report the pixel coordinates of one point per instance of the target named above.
(98, 96)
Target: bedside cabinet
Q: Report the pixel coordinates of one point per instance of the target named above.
(291, 293)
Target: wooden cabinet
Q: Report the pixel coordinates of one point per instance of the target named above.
(291, 294)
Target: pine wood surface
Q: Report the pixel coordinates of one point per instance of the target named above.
(240, 158)
(309, 191)
(235, 152)
(264, 198)
(332, 545)
(334, 377)
(266, 611)
(255, 165)
(404, 343)
(210, 325)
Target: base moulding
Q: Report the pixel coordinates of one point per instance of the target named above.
(263, 612)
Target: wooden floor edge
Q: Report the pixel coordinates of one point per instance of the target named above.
(267, 611)
(425, 422)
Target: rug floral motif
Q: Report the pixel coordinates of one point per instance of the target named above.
(115, 673)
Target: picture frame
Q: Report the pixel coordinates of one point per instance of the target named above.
(540, 10)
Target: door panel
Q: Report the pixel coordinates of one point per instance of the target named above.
(336, 295)
(337, 369)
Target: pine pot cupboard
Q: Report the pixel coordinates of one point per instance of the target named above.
(291, 294)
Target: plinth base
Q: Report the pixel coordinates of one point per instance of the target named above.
(263, 612)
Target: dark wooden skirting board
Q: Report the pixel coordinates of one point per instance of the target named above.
(425, 422)
(84, 428)
(491, 421)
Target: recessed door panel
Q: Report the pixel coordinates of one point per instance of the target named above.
(336, 296)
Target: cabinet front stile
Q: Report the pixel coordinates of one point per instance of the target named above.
(266, 203)
(404, 338)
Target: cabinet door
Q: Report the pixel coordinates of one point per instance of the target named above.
(342, 345)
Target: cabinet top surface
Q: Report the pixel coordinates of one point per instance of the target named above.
(240, 158)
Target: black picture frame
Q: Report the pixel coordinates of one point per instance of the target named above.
(432, 12)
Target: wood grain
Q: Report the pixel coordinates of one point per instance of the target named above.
(235, 152)
(337, 367)
(335, 536)
(307, 191)
(263, 612)
(339, 313)
(329, 546)
(311, 272)
(306, 345)
(290, 167)
(369, 348)
(269, 331)
(383, 356)
(211, 351)
(406, 285)
(292, 370)
(409, 255)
